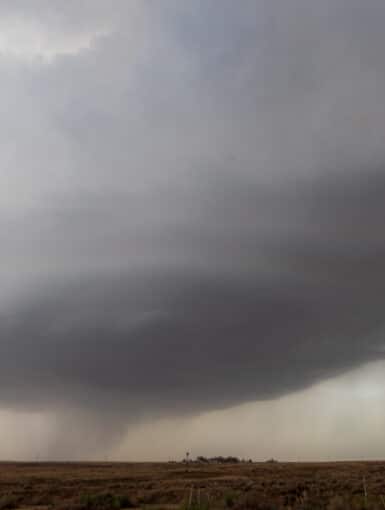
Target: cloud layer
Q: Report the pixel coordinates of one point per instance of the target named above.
(191, 202)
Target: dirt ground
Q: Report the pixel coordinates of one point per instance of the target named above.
(176, 485)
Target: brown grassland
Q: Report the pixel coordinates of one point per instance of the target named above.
(156, 486)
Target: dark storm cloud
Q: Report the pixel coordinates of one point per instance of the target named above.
(221, 329)
(204, 227)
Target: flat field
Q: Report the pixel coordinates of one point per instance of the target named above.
(100, 486)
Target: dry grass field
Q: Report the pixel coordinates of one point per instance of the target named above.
(155, 486)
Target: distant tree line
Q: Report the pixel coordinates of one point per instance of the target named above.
(220, 460)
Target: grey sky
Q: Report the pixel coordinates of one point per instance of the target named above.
(191, 205)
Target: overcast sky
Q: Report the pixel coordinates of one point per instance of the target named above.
(192, 203)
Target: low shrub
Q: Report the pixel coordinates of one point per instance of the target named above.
(8, 502)
(105, 501)
(230, 498)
